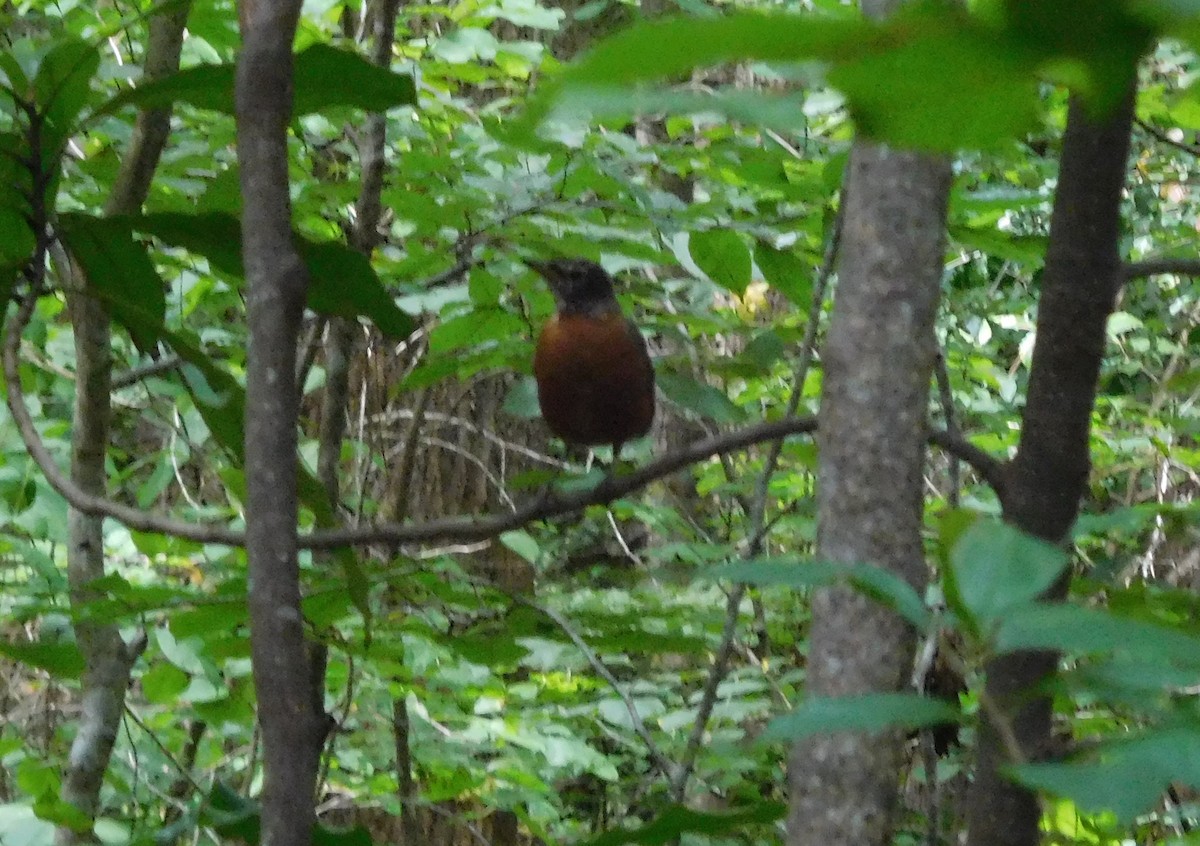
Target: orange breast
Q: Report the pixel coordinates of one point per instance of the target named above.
(595, 381)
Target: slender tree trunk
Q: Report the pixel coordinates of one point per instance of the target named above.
(1049, 473)
(289, 707)
(108, 659)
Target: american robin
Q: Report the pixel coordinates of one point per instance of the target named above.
(594, 377)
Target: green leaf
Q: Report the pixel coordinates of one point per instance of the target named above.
(61, 87)
(1029, 250)
(1082, 631)
(893, 74)
(476, 327)
(62, 660)
(704, 400)
(522, 399)
(901, 90)
(872, 712)
(119, 271)
(523, 544)
(215, 235)
(760, 355)
(886, 588)
(786, 272)
(664, 49)
(17, 241)
(324, 78)
(997, 568)
(357, 836)
(232, 815)
(723, 257)
(163, 683)
(1126, 777)
(342, 282)
(677, 820)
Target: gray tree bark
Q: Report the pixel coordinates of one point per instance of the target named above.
(878, 360)
(1049, 474)
(108, 659)
(289, 707)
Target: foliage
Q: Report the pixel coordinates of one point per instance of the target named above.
(719, 198)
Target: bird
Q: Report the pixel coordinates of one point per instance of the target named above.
(595, 381)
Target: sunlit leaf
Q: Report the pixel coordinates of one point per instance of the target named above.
(723, 257)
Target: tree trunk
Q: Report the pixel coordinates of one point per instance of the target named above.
(1049, 474)
(289, 707)
(108, 659)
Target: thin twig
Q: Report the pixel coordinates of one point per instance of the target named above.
(946, 398)
(708, 698)
(757, 517)
(1160, 135)
(664, 764)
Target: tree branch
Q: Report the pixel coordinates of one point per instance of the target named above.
(462, 529)
(1159, 267)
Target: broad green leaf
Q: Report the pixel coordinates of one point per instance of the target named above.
(664, 49)
(704, 400)
(216, 236)
(327, 77)
(786, 272)
(760, 354)
(62, 660)
(1122, 322)
(342, 282)
(203, 619)
(476, 327)
(324, 77)
(893, 74)
(869, 712)
(232, 815)
(163, 683)
(522, 399)
(61, 87)
(875, 582)
(902, 92)
(1127, 776)
(1083, 631)
(997, 568)
(357, 836)
(677, 820)
(723, 256)
(17, 241)
(119, 270)
(523, 544)
(1029, 250)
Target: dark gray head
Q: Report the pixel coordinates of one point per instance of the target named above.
(579, 286)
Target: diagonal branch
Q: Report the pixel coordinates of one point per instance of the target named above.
(664, 764)
(465, 528)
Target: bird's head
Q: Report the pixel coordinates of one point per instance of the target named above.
(579, 286)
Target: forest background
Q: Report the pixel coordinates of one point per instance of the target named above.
(846, 233)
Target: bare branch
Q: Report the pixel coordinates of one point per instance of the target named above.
(1161, 135)
(460, 529)
(991, 469)
(1160, 267)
